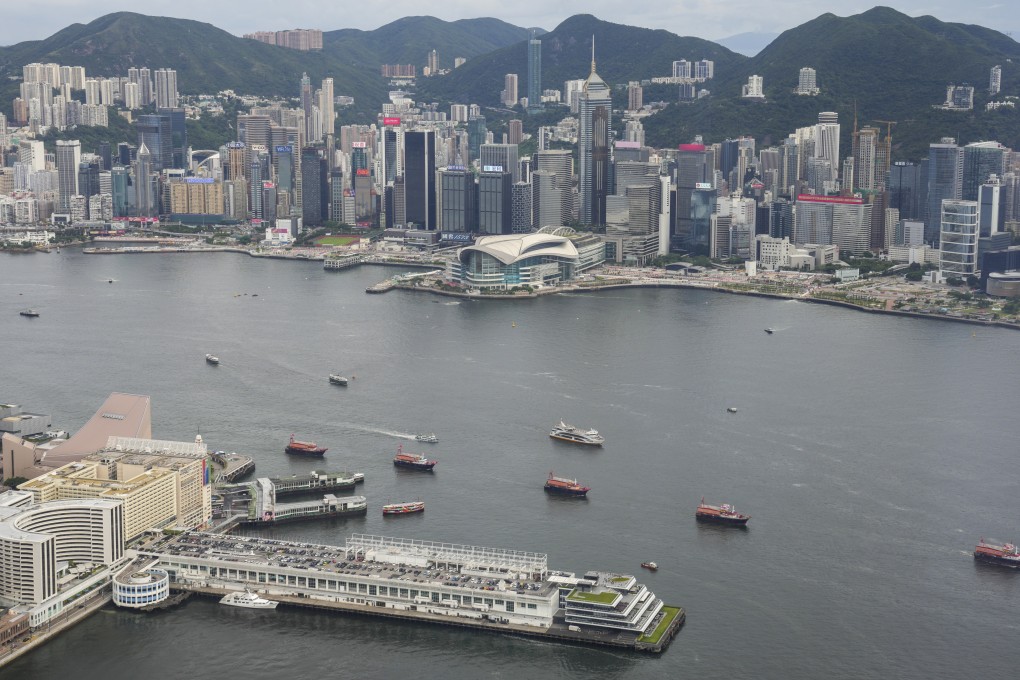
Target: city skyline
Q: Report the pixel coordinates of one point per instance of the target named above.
(42, 20)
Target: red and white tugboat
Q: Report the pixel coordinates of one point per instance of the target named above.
(720, 514)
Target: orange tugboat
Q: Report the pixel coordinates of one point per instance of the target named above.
(1003, 554)
(413, 460)
(565, 487)
(296, 448)
(721, 514)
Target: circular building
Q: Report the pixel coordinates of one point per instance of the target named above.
(136, 589)
(1004, 284)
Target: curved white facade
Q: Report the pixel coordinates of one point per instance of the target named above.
(33, 540)
(138, 589)
(508, 261)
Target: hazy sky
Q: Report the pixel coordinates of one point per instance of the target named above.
(704, 18)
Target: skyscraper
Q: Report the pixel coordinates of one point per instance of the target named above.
(958, 237)
(594, 135)
(499, 158)
(156, 133)
(495, 201)
(806, 83)
(509, 93)
(945, 181)
(458, 206)
(433, 63)
(981, 160)
(314, 191)
(995, 80)
(906, 192)
(420, 178)
(306, 104)
(178, 136)
(515, 131)
(145, 203)
(534, 75)
(166, 88)
(692, 173)
(326, 107)
(68, 160)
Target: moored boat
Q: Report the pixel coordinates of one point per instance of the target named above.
(298, 448)
(651, 566)
(413, 461)
(31, 313)
(210, 359)
(403, 508)
(248, 600)
(569, 433)
(430, 438)
(997, 552)
(565, 487)
(338, 379)
(722, 514)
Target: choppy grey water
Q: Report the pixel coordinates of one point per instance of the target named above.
(871, 451)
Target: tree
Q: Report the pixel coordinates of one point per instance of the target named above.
(914, 275)
(13, 482)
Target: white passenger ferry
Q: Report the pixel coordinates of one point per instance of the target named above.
(569, 433)
(248, 600)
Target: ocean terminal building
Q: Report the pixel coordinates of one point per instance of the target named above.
(547, 257)
(447, 582)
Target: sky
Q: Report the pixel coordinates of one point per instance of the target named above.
(709, 19)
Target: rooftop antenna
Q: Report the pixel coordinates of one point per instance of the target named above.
(593, 53)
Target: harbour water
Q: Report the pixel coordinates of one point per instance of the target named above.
(872, 453)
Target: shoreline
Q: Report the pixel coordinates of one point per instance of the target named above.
(711, 288)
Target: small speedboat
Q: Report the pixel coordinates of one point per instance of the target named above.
(29, 313)
(732, 409)
(651, 566)
(770, 331)
(430, 438)
(338, 379)
(210, 359)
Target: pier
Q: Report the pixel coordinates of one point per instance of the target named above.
(232, 466)
(335, 263)
(487, 589)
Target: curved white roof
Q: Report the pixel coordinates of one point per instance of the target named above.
(511, 248)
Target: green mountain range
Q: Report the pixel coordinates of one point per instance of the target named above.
(622, 53)
(208, 59)
(886, 64)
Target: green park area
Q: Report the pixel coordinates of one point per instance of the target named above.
(336, 240)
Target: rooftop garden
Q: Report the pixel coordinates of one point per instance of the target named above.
(607, 597)
(669, 614)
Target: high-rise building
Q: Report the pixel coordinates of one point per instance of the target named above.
(166, 88)
(827, 142)
(433, 63)
(509, 94)
(499, 158)
(326, 107)
(871, 159)
(534, 75)
(906, 191)
(145, 199)
(958, 237)
(420, 178)
(476, 136)
(495, 201)
(832, 220)
(945, 181)
(68, 160)
(457, 200)
(692, 173)
(635, 96)
(806, 83)
(981, 160)
(594, 135)
(995, 80)
(306, 105)
(704, 70)
(992, 207)
(155, 132)
(515, 131)
(682, 69)
(178, 136)
(314, 194)
(755, 88)
(520, 208)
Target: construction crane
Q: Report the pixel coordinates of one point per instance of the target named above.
(888, 129)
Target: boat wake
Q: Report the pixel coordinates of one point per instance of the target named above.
(377, 430)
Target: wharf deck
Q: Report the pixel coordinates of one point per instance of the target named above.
(559, 631)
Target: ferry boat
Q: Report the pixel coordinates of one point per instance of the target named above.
(566, 487)
(29, 313)
(337, 379)
(403, 508)
(651, 566)
(413, 460)
(430, 438)
(248, 600)
(297, 448)
(722, 514)
(1003, 554)
(359, 477)
(210, 359)
(569, 433)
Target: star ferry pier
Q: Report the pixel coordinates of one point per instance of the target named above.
(489, 589)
